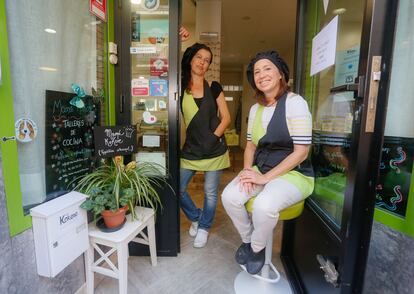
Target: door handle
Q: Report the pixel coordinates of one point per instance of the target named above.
(373, 94)
(4, 139)
(121, 103)
(357, 87)
(330, 273)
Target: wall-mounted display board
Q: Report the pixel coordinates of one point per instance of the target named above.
(394, 182)
(112, 141)
(69, 144)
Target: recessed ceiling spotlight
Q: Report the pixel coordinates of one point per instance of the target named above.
(50, 31)
(246, 18)
(339, 11)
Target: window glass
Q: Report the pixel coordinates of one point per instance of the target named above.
(150, 80)
(332, 113)
(398, 151)
(53, 44)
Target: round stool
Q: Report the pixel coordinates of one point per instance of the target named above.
(269, 280)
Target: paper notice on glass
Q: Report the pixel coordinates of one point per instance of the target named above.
(158, 158)
(324, 47)
(150, 141)
(346, 66)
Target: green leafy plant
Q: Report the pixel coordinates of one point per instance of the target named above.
(114, 185)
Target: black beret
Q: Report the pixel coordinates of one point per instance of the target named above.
(275, 58)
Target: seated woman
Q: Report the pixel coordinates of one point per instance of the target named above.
(276, 168)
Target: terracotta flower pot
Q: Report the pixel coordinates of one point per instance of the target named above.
(114, 219)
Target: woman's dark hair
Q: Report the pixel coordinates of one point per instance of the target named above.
(189, 53)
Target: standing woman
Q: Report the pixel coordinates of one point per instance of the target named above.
(205, 147)
(276, 168)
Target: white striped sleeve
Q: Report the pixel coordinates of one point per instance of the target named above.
(252, 114)
(299, 120)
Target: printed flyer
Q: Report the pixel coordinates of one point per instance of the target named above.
(140, 87)
(158, 67)
(158, 87)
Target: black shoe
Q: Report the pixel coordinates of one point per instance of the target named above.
(243, 253)
(255, 262)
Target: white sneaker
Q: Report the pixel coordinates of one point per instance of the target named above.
(201, 238)
(193, 229)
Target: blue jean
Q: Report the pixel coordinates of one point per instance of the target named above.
(204, 216)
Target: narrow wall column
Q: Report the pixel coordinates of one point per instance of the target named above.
(208, 31)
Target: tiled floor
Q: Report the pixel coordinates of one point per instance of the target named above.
(211, 269)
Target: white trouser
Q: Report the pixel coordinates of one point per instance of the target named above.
(273, 197)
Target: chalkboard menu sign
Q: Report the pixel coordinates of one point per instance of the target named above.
(70, 121)
(112, 141)
(395, 175)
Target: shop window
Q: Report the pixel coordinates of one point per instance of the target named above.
(396, 169)
(53, 45)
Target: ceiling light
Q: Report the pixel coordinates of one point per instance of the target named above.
(138, 2)
(209, 36)
(50, 31)
(339, 11)
(45, 68)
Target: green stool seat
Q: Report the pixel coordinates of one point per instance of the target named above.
(286, 214)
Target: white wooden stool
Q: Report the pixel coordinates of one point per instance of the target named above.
(118, 242)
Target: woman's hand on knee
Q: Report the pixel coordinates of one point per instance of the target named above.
(251, 176)
(247, 187)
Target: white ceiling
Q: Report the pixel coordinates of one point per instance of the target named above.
(251, 26)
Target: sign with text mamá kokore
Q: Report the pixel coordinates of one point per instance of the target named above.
(113, 141)
(70, 121)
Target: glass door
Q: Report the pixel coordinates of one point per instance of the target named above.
(149, 80)
(336, 222)
(333, 109)
(147, 33)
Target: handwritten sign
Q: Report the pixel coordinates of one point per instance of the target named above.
(324, 47)
(393, 187)
(69, 141)
(117, 140)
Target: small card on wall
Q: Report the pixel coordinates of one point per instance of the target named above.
(158, 87)
(140, 87)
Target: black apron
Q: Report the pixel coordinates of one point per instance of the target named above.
(277, 143)
(200, 142)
